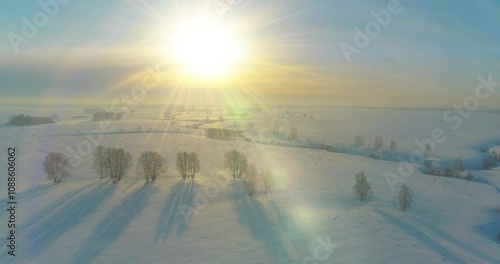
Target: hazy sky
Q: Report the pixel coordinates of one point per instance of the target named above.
(430, 53)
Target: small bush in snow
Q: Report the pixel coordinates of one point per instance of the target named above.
(458, 166)
(405, 197)
(267, 180)
(236, 163)
(448, 172)
(249, 180)
(392, 147)
(496, 156)
(428, 149)
(362, 189)
(378, 144)
(488, 162)
(430, 169)
(358, 141)
(56, 166)
(469, 177)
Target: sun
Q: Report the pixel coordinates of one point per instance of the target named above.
(205, 48)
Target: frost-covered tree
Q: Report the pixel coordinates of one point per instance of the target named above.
(193, 164)
(150, 165)
(236, 163)
(458, 166)
(56, 166)
(362, 189)
(250, 179)
(182, 164)
(358, 141)
(267, 180)
(392, 147)
(405, 197)
(118, 162)
(99, 161)
(378, 144)
(428, 149)
(187, 164)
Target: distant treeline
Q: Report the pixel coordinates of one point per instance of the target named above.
(111, 116)
(26, 120)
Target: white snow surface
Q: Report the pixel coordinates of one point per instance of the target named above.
(310, 216)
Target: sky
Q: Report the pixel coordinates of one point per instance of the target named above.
(427, 54)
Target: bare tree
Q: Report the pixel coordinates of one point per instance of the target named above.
(194, 164)
(236, 163)
(99, 161)
(392, 147)
(250, 179)
(362, 189)
(118, 162)
(378, 144)
(293, 133)
(187, 164)
(405, 197)
(428, 149)
(182, 164)
(358, 141)
(458, 166)
(150, 165)
(56, 166)
(267, 180)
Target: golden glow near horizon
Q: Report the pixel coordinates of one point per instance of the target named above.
(205, 49)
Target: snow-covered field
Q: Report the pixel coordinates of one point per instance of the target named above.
(310, 216)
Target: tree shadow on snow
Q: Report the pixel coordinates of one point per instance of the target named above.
(177, 210)
(32, 192)
(43, 235)
(252, 216)
(113, 225)
(288, 225)
(46, 211)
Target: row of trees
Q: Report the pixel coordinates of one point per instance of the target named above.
(115, 163)
(239, 168)
(378, 144)
(363, 190)
(27, 120)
